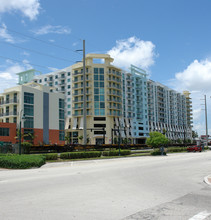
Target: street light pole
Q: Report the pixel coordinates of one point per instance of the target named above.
(20, 129)
(84, 98)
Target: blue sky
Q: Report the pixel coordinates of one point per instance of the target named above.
(168, 38)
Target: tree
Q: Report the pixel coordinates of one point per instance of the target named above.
(194, 134)
(80, 138)
(157, 140)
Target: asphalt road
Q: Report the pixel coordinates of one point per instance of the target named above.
(162, 187)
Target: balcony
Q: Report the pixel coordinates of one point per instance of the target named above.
(13, 113)
(10, 101)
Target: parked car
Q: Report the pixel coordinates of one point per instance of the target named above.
(194, 148)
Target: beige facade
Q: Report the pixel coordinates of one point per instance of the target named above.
(103, 99)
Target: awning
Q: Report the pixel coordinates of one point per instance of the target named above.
(66, 123)
(75, 123)
(81, 123)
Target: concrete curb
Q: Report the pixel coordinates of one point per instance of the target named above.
(207, 180)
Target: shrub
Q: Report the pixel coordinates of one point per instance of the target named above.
(21, 161)
(78, 155)
(26, 146)
(51, 156)
(157, 152)
(176, 149)
(116, 153)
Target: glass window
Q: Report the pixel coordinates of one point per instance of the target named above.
(61, 124)
(96, 91)
(102, 104)
(96, 111)
(69, 113)
(68, 86)
(96, 84)
(68, 106)
(101, 70)
(29, 122)
(95, 77)
(102, 111)
(101, 91)
(95, 70)
(102, 77)
(61, 103)
(101, 84)
(56, 83)
(96, 97)
(28, 110)
(28, 98)
(68, 73)
(4, 132)
(61, 114)
(102, 98)
(97, 105)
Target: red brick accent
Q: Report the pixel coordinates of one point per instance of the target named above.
(11, 138)
(54, 137)
(38, 134)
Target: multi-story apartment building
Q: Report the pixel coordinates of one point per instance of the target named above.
(167, 111)
(135, 111)
(188, 108)
(43, 110)
(103, 99)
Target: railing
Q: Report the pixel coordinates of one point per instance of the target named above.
(9, 113)
(4, 102)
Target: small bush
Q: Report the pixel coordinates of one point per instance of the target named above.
(21, 161)
(116, 153)
(157, 152)
(51, 156)
(176, 149)
(26, 146)
(79, 155)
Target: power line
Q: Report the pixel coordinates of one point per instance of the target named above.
(43, 41)
(7, 58)
(34, 51)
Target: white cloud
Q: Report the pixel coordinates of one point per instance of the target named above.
(133, 51)
(50, 29)
(53, 69)
(5, 35)
(8, 76)
(29, 8)
(197, 79)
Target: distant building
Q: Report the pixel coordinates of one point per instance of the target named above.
(43, 110)
(167, 111)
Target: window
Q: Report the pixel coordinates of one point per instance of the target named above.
(68, 80)
(40, 80)
(61, 114)
(68, 86)
(4, 132)
(29, 122)
(61, 103)
(28, 98)
(28, 110)
(68, 73)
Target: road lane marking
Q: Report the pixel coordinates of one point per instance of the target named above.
(200, 215)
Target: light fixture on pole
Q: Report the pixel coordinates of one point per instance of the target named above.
(22, 117)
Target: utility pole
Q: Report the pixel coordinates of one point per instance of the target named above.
(205, 102)
(84, 96)
(206, 127)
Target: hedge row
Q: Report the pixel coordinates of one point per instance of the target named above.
(51, 156)
(116, 153)
(21, 161)
(78, 155)
(176, 149)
